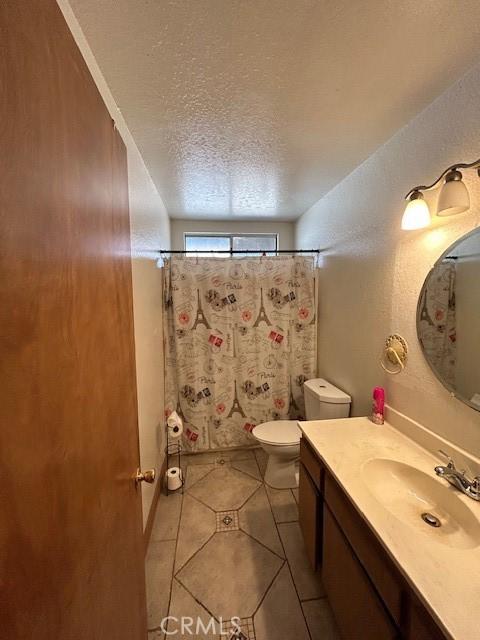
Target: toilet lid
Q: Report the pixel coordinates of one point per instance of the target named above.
(284, 432)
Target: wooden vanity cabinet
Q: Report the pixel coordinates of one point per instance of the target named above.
(359, 611)
(369, 596)
(310, 503)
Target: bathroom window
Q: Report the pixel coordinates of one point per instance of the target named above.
(211, 244)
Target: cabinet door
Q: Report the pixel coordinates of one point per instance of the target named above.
(420, 625)
(312, 464)
(370, 553)
(358, 610)
(309, 515)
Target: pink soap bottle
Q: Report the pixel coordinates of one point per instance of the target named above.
(378, 405)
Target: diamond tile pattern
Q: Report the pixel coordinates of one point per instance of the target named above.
(230, 574)
(196, 472)
(227, 521)
(280, 615)
(229, 560)
(197, 525)
(224, 488)
(284, 505)
(183, 605)
(256, 519)
(241, 630)
(250, 467)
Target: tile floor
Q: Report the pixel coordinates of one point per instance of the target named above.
(231, 546)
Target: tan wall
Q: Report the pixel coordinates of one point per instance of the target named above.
(372, 272)
(286, 230)
(150, 229)
(148, 310)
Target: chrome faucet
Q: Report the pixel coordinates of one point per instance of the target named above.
(471, 488)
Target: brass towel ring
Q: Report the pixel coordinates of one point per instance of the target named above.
(395, 352)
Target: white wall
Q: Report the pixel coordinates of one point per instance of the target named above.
(372, 272)
(286, 230)
(150, 230)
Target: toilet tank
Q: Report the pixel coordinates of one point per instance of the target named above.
(323, 401)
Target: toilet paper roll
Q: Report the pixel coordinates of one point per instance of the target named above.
(174, 478)
(174, 425)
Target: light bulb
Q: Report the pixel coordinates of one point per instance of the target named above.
(417, 213)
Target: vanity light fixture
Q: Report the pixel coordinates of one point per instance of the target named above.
(454, 197)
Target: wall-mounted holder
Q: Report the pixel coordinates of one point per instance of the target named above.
(394, 353)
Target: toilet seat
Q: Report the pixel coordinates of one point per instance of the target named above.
(278, 432)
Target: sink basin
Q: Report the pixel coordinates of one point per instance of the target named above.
(407, 493)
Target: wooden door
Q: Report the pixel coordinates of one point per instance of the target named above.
(71, 545)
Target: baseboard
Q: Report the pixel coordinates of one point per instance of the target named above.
(226, 450)
(153, 507)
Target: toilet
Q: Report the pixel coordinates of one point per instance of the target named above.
(280, 439)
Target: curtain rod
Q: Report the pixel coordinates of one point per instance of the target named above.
(233, 251)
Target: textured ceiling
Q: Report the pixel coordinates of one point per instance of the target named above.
(256, 108)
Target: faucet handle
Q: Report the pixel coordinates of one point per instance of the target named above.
(451, 464)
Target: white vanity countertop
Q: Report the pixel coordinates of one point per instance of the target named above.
(446, 578)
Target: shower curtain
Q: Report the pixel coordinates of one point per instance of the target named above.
(240, 340)
(437, 321)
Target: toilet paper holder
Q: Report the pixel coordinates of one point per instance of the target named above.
(173, 453)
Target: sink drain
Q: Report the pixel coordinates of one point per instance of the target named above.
(431, 520)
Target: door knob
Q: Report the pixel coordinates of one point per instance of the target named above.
(147, 476)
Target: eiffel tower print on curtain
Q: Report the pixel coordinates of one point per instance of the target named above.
(236, 406)
(200, 319)
(424, 315)
(262, 314)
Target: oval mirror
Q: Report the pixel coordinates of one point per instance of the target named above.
(448, 319)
